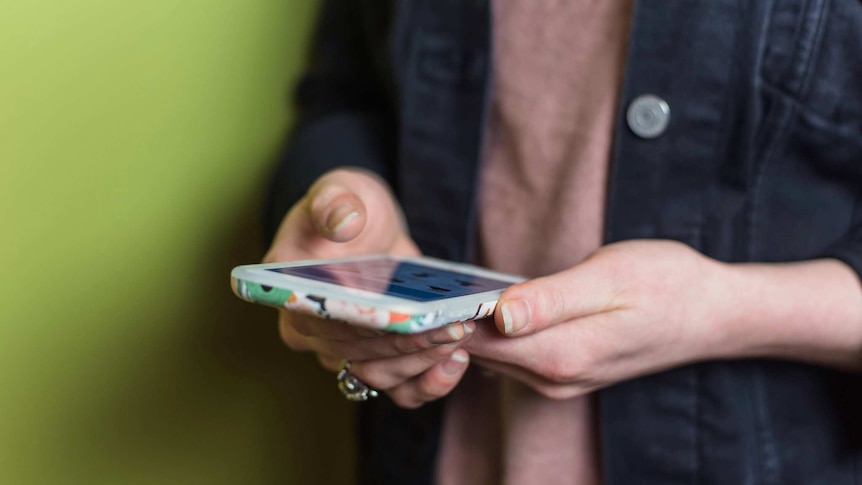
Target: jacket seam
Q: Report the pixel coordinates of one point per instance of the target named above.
(785, 112)
(852, 133)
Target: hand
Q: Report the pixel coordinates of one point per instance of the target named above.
(629, 309)
(349, 212)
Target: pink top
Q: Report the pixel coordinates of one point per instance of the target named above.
(558, 66)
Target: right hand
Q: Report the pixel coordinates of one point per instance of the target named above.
(351, 212)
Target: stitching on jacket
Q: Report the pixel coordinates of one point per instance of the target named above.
(755, 174)
(771, 464)
(852, 133)
(698, 426)
(780, 117)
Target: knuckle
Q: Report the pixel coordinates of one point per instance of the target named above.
(283, 328)
(571, 371)
(328, 362)
(346, 349)
(372, 376)
(559, 299)
(426, 359)
(404, 344)
(558, 369)
(289, 337)
(300, 325)
(437, 354)
(293, 342)
(430, 388)
(552, 304)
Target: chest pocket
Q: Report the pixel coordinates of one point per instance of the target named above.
(811, 84)
(808, 154)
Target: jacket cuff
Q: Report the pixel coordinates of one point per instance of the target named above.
(849, 250)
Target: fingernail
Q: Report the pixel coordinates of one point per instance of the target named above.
(340, 217)
(446, 335)
(515, 316)
(469, 328)
(456, 362)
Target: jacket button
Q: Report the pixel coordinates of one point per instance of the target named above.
(648, 116)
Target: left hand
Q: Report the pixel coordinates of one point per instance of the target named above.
(351, 212)
(630, 309)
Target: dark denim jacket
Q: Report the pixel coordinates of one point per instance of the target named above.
(762, 161)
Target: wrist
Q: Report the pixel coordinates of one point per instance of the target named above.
(724, 302)
(807, 311)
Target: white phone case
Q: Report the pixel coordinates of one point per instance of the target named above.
(257, 284)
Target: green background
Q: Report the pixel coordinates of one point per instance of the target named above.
(135, 141)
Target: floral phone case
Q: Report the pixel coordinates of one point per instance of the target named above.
(356, 313)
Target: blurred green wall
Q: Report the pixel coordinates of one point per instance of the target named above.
(135, 138)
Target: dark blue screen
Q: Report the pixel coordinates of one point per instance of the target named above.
(396, 278)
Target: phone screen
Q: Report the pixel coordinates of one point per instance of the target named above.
(402, 279)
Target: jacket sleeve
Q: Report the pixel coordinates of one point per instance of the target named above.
(849, 250)
(343, 104)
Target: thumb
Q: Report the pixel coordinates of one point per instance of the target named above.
(335, 211)
(537, 304)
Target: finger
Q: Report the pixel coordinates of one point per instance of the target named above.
(388, 373)
(552, 352)
(395, 345)
(298, 342)
(433, 384)
(537, 304)
(527, 351)
(346, 212)
(293, 339)
(335, 210)
(340, 331)
(379, 226)
(330, 362)
(312, 326)
(325, 217)
(545, 387)
(303, 332)
(297, 238)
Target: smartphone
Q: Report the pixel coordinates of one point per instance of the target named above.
(391, 293)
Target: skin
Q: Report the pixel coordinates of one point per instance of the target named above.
(350, 213)
(630, 309)
(638, 307)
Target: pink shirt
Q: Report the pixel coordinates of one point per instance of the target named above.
(558, 66)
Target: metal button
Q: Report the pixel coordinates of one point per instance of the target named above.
(648, 116)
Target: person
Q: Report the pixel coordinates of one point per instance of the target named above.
(681, 181)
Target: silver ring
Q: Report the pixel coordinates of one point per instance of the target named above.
(353, 388)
